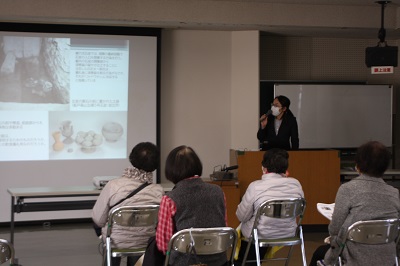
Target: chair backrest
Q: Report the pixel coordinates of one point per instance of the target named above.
(374, 232)
(207, 241)
(130, 216)
(6, 252)
(282, 208)
(133, 216)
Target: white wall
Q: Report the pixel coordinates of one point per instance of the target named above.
(245, 90)
(200, 78)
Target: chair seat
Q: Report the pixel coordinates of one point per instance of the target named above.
(265, 242)
(280, 241)
(119, 252)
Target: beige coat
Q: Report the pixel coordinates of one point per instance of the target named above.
(271, 186)
(114, 191)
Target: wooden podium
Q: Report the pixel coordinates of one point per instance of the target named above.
(318, 171)
(232, 195)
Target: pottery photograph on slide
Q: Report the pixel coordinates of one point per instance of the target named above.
(112, 131)
(88, 141)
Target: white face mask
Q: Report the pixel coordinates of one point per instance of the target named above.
(275, 110)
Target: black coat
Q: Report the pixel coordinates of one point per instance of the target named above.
(288, 134)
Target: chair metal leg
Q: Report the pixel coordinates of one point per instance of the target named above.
(247, 251)
(108, 250)
(104, 256)
(397, 261)
(303, 250)
(289, 256)
(256, 246)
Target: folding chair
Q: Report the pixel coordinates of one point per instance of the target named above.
(205, 241)
(6, 252)
(129, 216)
(291, 208)
(373, 232)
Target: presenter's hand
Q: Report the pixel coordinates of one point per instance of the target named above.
(263, 121)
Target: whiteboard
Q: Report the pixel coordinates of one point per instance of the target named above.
(340, 116)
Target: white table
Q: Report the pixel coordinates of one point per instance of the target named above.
(50, 202)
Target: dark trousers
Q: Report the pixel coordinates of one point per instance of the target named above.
(251, 255)
(319, 254)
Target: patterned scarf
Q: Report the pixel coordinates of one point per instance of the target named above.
(137, 174)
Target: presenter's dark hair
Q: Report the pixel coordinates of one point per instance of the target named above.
(285, 102)
(182, 162)
(145, 156)
(276, 161)
(372, 158)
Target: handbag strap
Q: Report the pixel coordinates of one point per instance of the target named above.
(132, 193)
(192, 251)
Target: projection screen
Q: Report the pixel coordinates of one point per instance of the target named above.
(74, 100)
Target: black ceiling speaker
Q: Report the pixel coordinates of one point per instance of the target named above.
(382, 54)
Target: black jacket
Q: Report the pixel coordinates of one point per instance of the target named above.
(287, 138)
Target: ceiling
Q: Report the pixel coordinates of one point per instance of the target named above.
(341, 32)
(310, 8)
(306, 18)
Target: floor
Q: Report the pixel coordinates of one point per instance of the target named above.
(77, 244)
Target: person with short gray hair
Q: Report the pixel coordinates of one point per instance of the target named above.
(366, 197)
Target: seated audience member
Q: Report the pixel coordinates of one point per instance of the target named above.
(274, 184)
(366, 197)
(191, 203)
(144, 159)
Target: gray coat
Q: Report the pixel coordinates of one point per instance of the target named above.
(198, 205)
(112, 193)
(363, 198)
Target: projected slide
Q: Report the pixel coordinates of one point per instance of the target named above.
(63, 98)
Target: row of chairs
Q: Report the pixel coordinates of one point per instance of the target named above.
(372, 232)
(223, 239)
(206, 240)
(209, 241)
